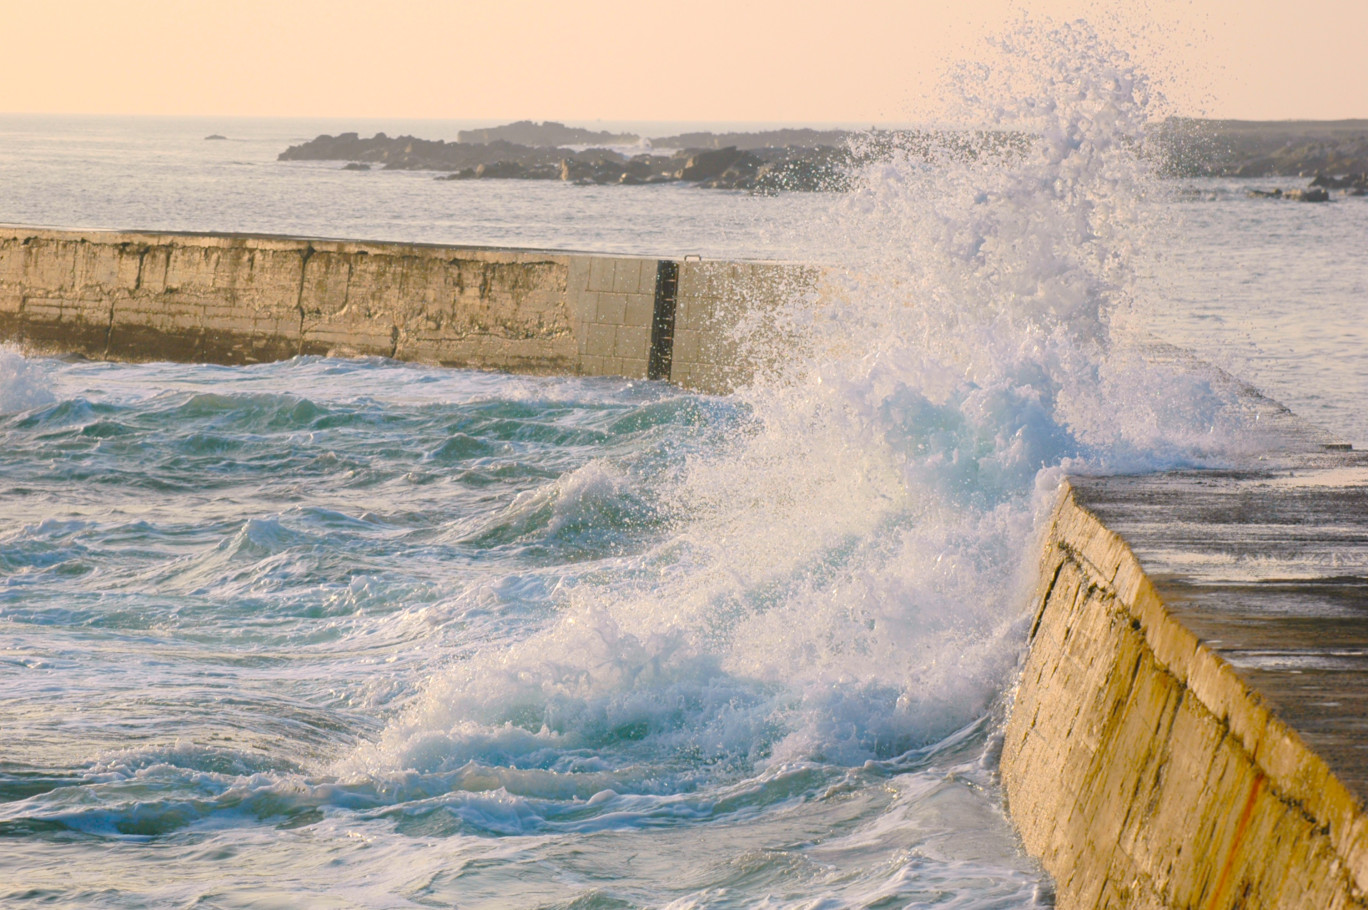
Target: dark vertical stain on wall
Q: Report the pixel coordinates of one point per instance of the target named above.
(663, 325)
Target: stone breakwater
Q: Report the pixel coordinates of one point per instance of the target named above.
(243, 299)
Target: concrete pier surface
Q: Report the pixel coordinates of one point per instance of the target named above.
(1269, 570)
(1191, 724)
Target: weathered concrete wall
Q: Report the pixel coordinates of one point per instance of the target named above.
(1142, 770)
(242, 299)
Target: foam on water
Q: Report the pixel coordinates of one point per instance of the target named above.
(21, 384)
(841, 578)
(480, 639)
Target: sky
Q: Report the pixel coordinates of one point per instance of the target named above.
(754, 61)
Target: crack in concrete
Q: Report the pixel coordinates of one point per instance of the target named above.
(299, 297)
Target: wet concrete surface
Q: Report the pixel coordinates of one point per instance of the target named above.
(1268, 566)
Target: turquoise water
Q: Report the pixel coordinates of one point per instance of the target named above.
(221, 586)
(354, 633)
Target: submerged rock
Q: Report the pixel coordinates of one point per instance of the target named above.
(1310, 194)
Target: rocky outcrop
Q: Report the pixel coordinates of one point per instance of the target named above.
(762, 169)
(763, 139)
(1244, 148)
(771, 161)
(816, 161)
(711, 164)
(1310, 194)
(412, 154)
(1347, 182)
(545, 135)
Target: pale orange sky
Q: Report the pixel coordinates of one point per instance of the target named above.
(701, 60)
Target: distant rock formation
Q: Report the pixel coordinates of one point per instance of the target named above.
(214, 136)
(545, 135)
(808, 160)
(1249, 148)
(1352, 184)
(1310, 194)
(785, 138)
(408, 153)
(761, 168)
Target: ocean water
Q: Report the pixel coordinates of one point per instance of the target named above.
(354, 633)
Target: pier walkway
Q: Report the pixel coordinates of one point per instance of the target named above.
(1191, 724)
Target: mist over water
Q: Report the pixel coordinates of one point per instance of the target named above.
(358, 633)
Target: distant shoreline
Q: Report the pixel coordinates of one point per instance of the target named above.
(1335, 153)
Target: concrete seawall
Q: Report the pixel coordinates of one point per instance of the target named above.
(244, 299)
(1188, 730)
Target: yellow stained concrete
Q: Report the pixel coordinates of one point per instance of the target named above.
(1141, 769)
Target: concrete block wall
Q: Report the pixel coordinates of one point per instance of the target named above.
(613, 299)
(243, 299)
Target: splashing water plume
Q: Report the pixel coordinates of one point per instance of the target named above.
(841, 582)
(523, 635)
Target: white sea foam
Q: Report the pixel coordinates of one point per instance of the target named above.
(844, 579)
(603, 644)
(22, 384)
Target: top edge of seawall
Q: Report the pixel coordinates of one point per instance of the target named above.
(231, 238)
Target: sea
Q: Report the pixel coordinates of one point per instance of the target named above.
(354, 633)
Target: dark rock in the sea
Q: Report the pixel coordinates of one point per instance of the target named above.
(638, 167)
(576, 170)
(603, 166)
(1311, 194)
(214, 136)
(782, 138)
(501, 170)
(1264, 194)
(1246, 148)
(757, 167)
(1347, 181)
(826, 170)
(355, 166)
(707, 165)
